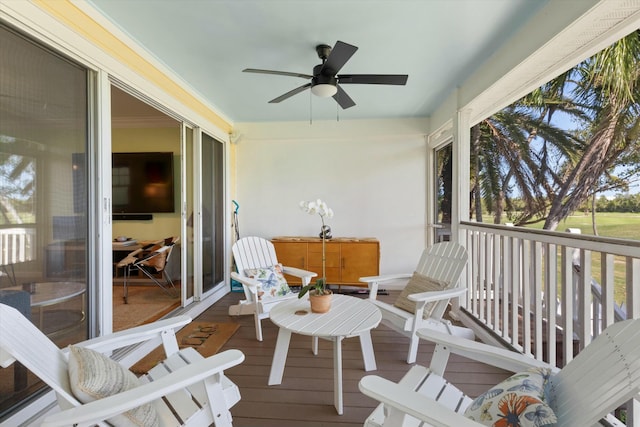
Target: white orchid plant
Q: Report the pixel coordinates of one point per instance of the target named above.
(319, 207)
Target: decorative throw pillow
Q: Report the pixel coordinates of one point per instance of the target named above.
(94, 376)
(419, 283)
(518, 401)
(271, 280)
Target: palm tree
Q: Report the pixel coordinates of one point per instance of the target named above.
(510, 152)
(606, 88)
(519, 152)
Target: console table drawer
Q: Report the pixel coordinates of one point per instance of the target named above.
(346, 259)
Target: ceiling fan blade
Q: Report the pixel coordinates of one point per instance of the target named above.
(343, 99)
(278, 73)
(373, 79)
(290, 93)
(339, 56)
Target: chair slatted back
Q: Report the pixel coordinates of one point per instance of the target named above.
(22, 340)
(443, 261)
(253, 252)
(603, 376)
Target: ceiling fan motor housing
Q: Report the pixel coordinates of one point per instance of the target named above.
(327, 77)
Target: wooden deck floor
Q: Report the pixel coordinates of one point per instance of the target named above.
(305, 397)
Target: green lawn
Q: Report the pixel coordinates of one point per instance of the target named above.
(619, 225)
(622, 225)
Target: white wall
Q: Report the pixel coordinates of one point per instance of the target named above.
(371, 173)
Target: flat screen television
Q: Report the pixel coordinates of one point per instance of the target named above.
(142, 182)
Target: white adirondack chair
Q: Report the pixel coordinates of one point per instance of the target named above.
(601, 378)
(442, 261)
(256, 252)
(186, 383)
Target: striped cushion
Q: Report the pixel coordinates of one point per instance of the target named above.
(94, 376)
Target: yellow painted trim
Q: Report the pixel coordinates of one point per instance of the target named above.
(70, 15)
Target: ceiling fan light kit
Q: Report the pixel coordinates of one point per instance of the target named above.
(326, 82)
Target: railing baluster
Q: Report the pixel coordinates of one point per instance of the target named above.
(474, 273)
(488, 294)
(506, 277)
(633, 288)
(526, 296)
(551, 293)
(538, 299)
(568, 298)
(516, 268)
(497, 266)
(607, 286)
(584, 299)
(480, 289)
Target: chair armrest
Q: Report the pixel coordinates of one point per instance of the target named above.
(384, 278)
(304, 275)
(298, 272)
(431, 296)
(253, 284)
(373, 282)
(491, 355)
(135, 335)
(412, 403)
(99, 410)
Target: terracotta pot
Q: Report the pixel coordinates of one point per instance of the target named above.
(320, 303)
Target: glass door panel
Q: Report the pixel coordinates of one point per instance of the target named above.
(212, 213)
(43, 197)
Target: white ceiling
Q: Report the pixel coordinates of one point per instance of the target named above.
(208, 43)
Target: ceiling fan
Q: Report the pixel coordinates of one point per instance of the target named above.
(326, 81)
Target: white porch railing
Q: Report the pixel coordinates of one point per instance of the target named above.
(548, 294)
(17, 244)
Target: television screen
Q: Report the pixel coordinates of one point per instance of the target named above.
(142, 182)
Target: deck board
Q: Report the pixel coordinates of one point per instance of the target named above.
(305, 397)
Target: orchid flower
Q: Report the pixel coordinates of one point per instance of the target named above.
(317, 207)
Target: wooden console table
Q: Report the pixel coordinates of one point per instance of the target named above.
(347, 258)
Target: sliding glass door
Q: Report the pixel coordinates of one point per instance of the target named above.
(212, 173)
(44, 237)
